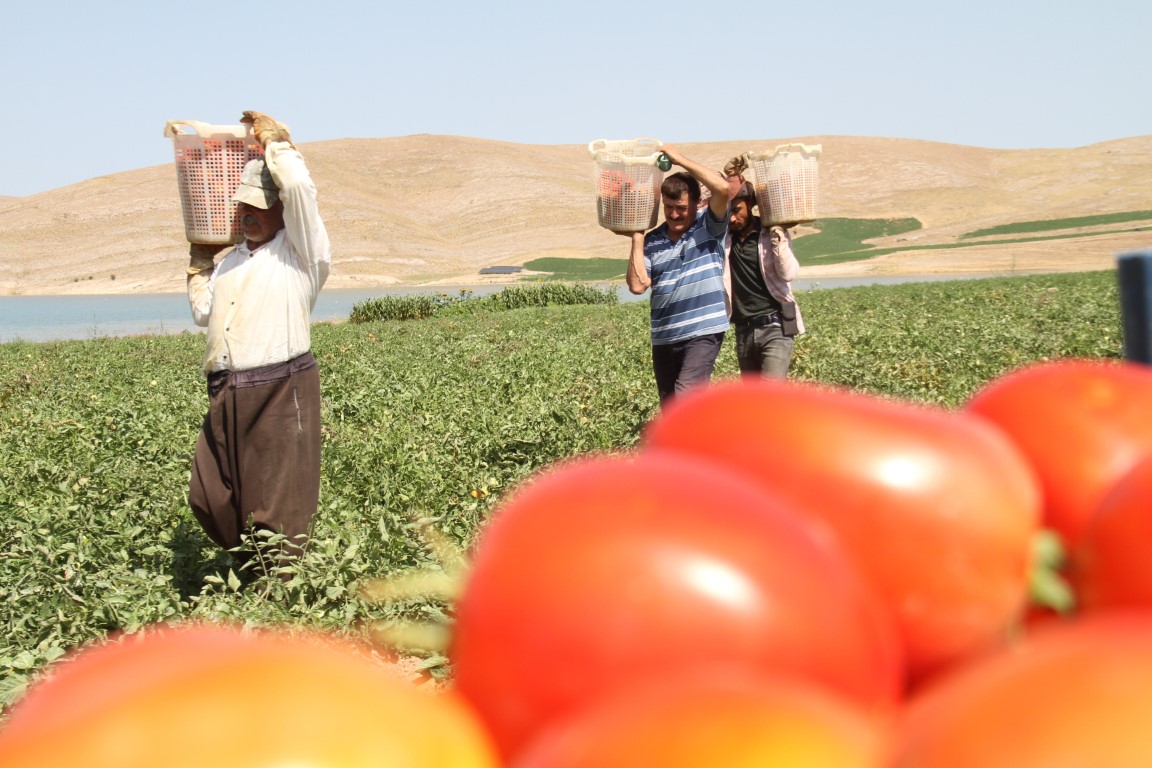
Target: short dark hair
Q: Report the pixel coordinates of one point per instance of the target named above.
(679, 183)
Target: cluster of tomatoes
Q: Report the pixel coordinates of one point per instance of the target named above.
(782, 575)
(665, 608)
(622, 200)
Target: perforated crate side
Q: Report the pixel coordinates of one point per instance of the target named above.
(208, 172)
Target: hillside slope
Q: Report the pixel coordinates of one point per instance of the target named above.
(435, 209)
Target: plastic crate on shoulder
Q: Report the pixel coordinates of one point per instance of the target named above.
(209, 160)
(628, 183)
(787, 183)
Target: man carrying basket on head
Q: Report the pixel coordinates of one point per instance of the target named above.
(682, 261)
(759, 269)
(257, 459)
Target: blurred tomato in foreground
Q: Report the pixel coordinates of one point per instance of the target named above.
(687, 721)
(603, 573)
(1111, 566)
(222, 697)
(1074, 694)
(937, 508)
(1082, 425)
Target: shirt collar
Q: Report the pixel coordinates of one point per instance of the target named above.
(242, 248)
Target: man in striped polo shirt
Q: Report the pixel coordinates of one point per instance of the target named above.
(682, 261)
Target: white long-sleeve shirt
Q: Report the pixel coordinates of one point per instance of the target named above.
(257, 304)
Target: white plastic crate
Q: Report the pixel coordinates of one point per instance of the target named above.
(209, 160)
(628, 183)
(787, 183)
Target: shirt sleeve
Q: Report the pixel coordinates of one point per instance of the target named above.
(716, 227)
(780, 242)
(648, 255)
(200, 296)
(305, 228)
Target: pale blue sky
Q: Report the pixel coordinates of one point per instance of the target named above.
(86, 91)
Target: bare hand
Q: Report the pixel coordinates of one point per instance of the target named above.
(673, 154)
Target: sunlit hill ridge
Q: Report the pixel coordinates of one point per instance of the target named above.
(424, 209)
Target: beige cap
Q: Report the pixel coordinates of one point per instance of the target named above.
(257, 187)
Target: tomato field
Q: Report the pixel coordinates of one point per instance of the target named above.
(431, 425)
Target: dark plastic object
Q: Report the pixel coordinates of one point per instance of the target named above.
(1134, 271)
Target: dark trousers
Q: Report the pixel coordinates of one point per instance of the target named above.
(257, 460)
(684, 364)
(763, 351)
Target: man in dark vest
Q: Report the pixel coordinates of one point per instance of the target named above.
(759, 270)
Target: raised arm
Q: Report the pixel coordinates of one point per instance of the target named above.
(306, 229)
(716, 183)
(302, 220)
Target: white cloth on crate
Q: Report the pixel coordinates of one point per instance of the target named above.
(258, 304)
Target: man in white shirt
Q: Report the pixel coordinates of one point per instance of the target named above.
(257, 460)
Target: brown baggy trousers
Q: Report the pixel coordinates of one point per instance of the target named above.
(257, 461)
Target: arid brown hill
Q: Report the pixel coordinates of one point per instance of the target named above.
(435, 209)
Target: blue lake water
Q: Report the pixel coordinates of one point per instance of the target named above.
(47, 318)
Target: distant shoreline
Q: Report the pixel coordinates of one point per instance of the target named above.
(876, 270)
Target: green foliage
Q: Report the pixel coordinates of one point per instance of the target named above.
(548, 295)
(422, 306)
(871, 252)
(426, 426)
(1047, 225)
(937, 342)
(838, 237)
(408, 307)
(841, 240)
(590, 270)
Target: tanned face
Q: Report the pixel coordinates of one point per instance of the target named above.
(740, 220)
(679, 213)
(260, 225)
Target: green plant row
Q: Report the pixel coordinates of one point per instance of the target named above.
(422, 306)
(871, 252)
(1047, 225)
(842, 239)
(837, 236)
(426, 427)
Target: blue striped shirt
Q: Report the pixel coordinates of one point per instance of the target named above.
(687, 280)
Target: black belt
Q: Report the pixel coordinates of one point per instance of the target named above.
(772, 318)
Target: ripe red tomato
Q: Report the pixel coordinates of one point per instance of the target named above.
(937, 508)
(218, 696)
(609, 183)
(1110, 566)
(688, 721)
(1081, 424)
(606, 572)
(1073, 694)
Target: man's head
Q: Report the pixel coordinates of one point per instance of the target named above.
(740, 218)
(260, 210)
(681, 194)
